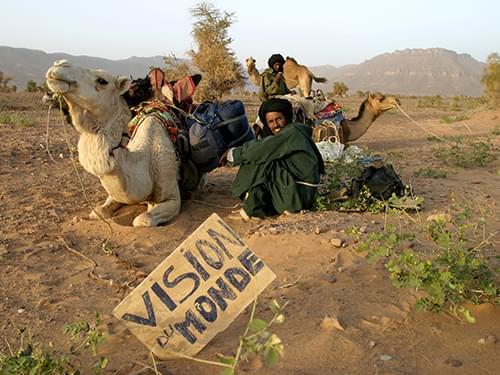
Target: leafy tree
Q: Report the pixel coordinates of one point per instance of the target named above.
(491, 79)
(340, 89)
(31, 86)
(215, 60)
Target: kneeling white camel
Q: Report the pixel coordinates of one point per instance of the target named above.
(145, 171)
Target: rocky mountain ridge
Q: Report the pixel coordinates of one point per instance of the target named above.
(431, 71)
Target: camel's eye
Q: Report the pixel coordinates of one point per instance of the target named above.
(101, 81)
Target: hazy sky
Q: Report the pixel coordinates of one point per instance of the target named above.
(316, 32)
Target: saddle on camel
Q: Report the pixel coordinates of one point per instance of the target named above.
(146, 168)
(326, 117)
(201, 133)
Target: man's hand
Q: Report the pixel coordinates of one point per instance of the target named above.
(223, 158)
(257, 130)
(279, 76)
(227, 157)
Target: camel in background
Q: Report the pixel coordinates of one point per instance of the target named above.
(370, 109)
(352, 129)
(296, 75)
(253, 73)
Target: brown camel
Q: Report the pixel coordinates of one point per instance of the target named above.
(369, 110)
(253, 73)
(299, 75)
(296, 75)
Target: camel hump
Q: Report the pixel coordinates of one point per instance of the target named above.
(292, 59)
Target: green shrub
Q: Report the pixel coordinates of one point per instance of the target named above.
(17, 119)
(452, 119)
(34, 359)
(478, 153)
(435, 101)
(257, 340)
(454, 273)
(491, 79)
(452, 138)
(431, 173)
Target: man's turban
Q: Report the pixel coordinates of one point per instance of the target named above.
(274, 59)
(276, 105)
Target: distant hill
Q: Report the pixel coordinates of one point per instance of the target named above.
(429, 71)
(22, 64)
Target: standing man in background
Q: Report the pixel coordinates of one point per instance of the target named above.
(272, 79)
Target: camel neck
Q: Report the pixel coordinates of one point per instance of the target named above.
(98, 138)
(358, 125)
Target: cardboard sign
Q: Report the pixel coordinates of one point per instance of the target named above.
(196, 292)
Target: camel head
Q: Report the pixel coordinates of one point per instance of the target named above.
(93, 94)
(369, 110)
(381, 103)
(250, 63)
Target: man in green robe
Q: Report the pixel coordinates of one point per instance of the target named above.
(272, 81)
(279, 173)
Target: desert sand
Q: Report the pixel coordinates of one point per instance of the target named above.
(44, 214)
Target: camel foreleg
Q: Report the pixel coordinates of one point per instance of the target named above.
(159, 213)
(107, 209)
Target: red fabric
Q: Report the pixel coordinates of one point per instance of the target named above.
(329, 110)
(184, 89)
(157, 78)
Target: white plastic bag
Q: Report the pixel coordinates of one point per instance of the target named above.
(354, 153)
(330, 149)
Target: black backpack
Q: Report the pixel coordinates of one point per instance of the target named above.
(215, 128)
(382, 182)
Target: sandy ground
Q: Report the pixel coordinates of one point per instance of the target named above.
(45, 285)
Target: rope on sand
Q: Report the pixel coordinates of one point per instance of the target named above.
(214, 205)
(47, 136)
(91, 261)
(421, 127)
(104, 245)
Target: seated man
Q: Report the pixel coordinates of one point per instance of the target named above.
(279, 173)
(272, 79)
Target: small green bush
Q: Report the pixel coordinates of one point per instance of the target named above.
(17, 119)
(456, 272)
(452, 138)
(435, 101)
(452, 119)
(431, 173)
(34, 359)
(478, 153)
